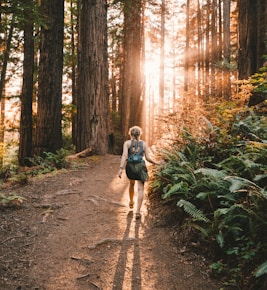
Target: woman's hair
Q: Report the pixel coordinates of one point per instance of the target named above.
(135, 132)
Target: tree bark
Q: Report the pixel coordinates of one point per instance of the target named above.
(92, 96)
(162, 57)
(248, 37)
(74, 67)
(226, 48)
(49, 107)
(2, 86)
(132, 103)
(25, 141)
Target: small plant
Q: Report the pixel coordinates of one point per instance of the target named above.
(49, 162)
(20, 179)
(218, 267)
(57, 159)
(11, 200)
(259, 80)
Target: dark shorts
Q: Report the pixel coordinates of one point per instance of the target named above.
(137, 171)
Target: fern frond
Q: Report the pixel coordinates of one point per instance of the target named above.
(176, 188)
(201, 229)
(182, 156)
(239, 182)
(262, 269)
(208, 123)
(212, 173)
(192, 210)
(220, 239)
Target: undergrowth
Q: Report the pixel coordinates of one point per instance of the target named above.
(220, 183)
(47, 163)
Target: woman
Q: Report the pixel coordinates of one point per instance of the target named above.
(133, 152)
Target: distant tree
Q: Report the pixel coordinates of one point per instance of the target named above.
(70, 57)
(48, 124)
(252, 36)
(5, 58)
(74, 26)
(92, 88)
(226, 47)
(187, 46)
(162, 56)
(115, 36)
(131, 101)
(25, 141)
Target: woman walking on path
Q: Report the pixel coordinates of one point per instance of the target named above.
(132, 160)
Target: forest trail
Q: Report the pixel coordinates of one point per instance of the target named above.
(76, 232)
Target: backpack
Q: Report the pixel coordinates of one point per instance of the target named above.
(136, 167)
(135, 151)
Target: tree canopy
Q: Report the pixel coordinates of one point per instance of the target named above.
(148, 59)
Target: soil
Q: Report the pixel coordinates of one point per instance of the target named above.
(75, 231)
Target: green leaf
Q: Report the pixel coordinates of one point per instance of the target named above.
(262, 269)
(220, 240)
(192, 210)
(212, 173)
(176, 188)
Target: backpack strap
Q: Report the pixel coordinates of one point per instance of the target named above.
(134, 155)
(132, 148)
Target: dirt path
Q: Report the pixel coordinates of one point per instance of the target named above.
(76, 232)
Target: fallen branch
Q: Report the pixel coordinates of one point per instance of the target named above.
(85, 276)
(10, 238)
(82, 259)
(67, 191)
(26, 245)
(85, 153)
(92, 199)
(104, 241)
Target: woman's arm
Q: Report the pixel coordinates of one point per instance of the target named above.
(147, 154)
(124, 156)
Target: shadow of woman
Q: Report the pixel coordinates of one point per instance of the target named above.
(124, 261)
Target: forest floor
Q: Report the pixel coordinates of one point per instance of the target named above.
(75, 231)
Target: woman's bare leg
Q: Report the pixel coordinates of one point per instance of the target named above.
(131, 193)
(141, 187)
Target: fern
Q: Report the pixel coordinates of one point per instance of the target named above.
(220, 239)
(211, 173)
(175, 189)
(192, 210)
(239, 182)
(262, 269)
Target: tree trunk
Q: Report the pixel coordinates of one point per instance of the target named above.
(207, 50)
(92, 97)
(25, 142)
(262, 33)
(131, 89)
(73, 69)
(187, 40)
(49, 107)
(2, 87)
(226, 49)
(162, 57)
(247, 22)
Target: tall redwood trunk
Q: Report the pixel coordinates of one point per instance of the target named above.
(49, 107)
(132, 102)
(25, 142)
(92, 89)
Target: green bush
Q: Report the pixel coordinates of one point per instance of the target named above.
(220, 182)
(49, 162)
